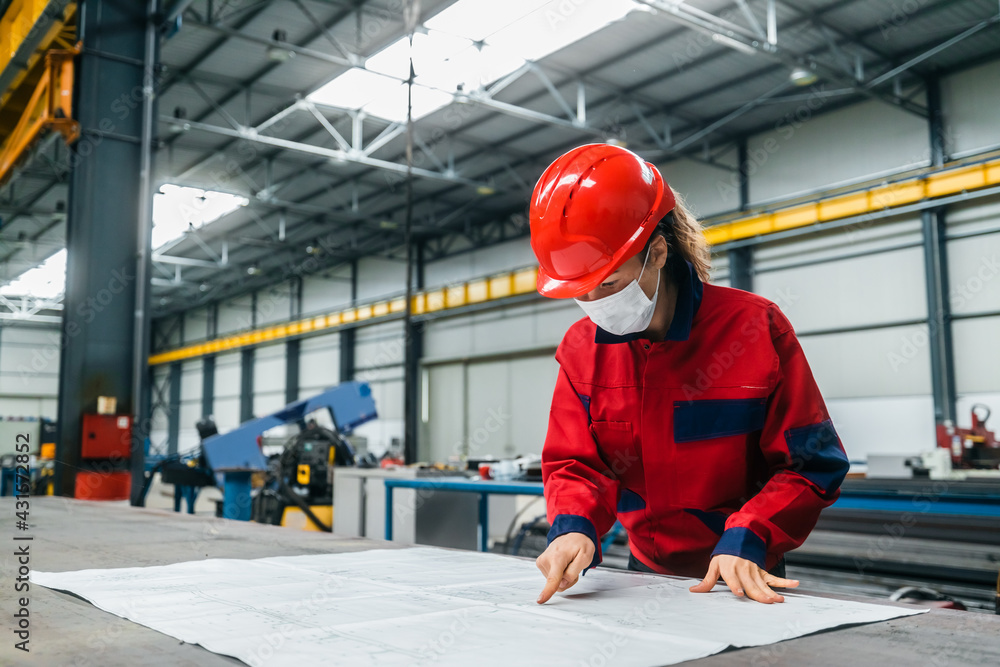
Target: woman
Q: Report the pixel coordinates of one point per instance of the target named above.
(685, 410)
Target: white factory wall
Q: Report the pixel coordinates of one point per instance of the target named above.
(327, 290)
(848, 145)
(190, 412)
(274, 304)
(226, 407)
(974, 281)
(235, 314)
(196, 325)
(269, 379)
(707, 190)
(477, 404)
(378, 360)
(29, 371)
(378, 278)
(319, 364)
(478, 263)
(969, 101)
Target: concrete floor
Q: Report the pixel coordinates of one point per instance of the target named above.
(72, 535)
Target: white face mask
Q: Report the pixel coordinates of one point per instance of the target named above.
(624, 312)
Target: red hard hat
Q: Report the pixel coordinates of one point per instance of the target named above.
(592, 209)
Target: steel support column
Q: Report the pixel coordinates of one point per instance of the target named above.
(939, 314)
(348, 335)
(174, 409)
(142, 374)
(293, 347)
(246, 384)
(741, 259)
(101, 304)
(936, 276)
(293, 350)
(208, 386)
(413, 335)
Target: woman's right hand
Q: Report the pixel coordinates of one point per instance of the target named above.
(562, 562)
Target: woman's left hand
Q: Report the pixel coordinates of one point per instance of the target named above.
(744, 577)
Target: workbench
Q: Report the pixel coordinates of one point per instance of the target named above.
(73, 535)
(482, 488)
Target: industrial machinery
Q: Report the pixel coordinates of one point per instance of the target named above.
(971, 447)
(105, 450)
(299, 477)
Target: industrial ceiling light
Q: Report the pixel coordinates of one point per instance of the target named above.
(277, 53)
(313, 249)
(252, 270)
(800, 76)
(203, 287)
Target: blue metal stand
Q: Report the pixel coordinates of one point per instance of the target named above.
(483, 488)
(236, 495)
(7, 477)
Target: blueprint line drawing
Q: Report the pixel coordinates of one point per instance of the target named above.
(427, 606)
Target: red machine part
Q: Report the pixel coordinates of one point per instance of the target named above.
(106, 437)
(96, 485)
(971, 447)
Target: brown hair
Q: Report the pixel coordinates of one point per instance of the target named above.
(685, 238)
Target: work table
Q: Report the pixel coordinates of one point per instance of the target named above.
(75, 535)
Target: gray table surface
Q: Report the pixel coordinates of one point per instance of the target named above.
(73, 535)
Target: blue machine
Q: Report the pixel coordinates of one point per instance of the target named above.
(236, 454)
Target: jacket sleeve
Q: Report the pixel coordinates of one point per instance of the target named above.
(806, 460)
(581, 491)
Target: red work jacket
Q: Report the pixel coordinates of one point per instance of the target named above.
(713, 441)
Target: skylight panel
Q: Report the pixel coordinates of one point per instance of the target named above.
(177, 209)
(476, 20)
(392, 106)
(353, 89)
(429, 52)
(45, 281)
(556, 25)
(465, 47)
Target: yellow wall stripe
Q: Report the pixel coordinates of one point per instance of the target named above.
(948, 180)
(452, 296)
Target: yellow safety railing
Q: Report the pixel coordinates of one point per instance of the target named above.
(950, 179)
(456, 295)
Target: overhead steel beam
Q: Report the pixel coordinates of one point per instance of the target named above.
(332, 154)
(929, 53)
(734, 36)
(176, 10)
(232, 33)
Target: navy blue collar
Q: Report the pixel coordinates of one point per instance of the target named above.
(689, 291)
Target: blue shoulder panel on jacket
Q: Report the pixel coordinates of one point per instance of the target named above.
(702, 420)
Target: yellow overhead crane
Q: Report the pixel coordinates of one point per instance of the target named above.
(36, 76)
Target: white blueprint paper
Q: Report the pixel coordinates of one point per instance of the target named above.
(426, 606)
